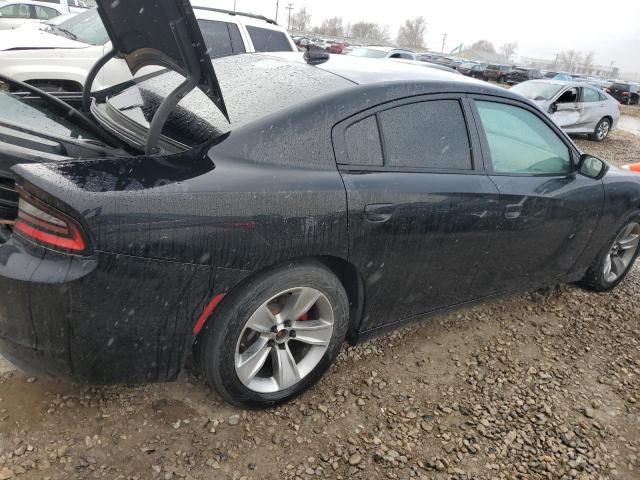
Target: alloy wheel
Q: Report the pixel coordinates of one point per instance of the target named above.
(622, 252)
(284, 340)
(603, 129)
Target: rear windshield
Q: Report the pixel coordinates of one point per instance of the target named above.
(369, 53)
(493, 67)
(253, 86)
(621, 86)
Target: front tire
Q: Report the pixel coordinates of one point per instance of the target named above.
(601, 131)
(275, 336)
(616, 259)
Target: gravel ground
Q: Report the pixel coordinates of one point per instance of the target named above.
(544, 385)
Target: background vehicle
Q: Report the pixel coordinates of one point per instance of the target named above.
(422, 63)
(627, 93)
(337, 47)
(497, 73)
(383, 52)
(472, 69)
(16, 14)
(59, 58)
(522, 74)
(574, 106)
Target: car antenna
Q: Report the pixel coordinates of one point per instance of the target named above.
(315, 57)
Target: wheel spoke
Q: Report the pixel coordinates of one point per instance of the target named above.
(313, 332)
(252, 360)
(629, 242)
(262, 320)
(607, 267)
(298, 304)
(618, 266)
(285, 368)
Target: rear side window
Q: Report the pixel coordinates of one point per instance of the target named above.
(430, 135)
(221, 38)
(590, 95)
(521, 143)
(265, 40)
(363, 143)
(15, 11)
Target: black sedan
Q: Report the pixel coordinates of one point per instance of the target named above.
(258, 210)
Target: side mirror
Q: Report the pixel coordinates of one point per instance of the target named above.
(592, 167)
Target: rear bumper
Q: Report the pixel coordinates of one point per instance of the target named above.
(101, 320)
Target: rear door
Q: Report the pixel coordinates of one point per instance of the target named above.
(593, 108)
(548, 210)
(422, 211)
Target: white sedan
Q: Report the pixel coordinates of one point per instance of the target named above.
(576, 107)
(16, 14)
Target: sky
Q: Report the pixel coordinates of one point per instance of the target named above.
(542, 28)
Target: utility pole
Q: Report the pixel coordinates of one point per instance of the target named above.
(290, 8)
(234, 5)
(444, 39)
(277, 8)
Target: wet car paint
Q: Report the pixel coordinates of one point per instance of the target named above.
(170, 233)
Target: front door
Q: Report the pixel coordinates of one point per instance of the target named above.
(549, 211)
(422, 211)
(567, 108)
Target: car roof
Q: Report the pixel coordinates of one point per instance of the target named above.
(363, 71)
(564, 83)
(55, 6)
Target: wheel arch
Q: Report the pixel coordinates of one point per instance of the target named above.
(347, 273)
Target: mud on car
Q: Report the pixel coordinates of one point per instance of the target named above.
(258, 210)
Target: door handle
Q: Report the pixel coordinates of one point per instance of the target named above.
(378, 212)
(511, 212)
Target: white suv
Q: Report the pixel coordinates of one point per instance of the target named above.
(59, 57)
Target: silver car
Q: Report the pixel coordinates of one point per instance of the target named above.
(575, 107)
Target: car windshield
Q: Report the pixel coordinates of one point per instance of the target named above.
(368, 52)
(537, 90)
(469, 65)
(253, 86)
(86, 27)
(621, 86)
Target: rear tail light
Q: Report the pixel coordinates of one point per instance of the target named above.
(47, 226)
(625, 94)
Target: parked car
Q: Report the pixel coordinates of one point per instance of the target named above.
(59, 58)
(497, 73)
(383, 52)
(337, 47)
(574, 106)
(16, 14)
(627, 93)
(422, 63)
(258, 219)
(472, 69)
(522, 74)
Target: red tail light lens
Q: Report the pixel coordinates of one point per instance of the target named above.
(49, 227)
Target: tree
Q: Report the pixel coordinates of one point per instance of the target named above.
(587, 63)
(300, 20)
(569, 60)
(370, 31)
(331, 27)
(509, 49)
(483, 46)
(411, 34)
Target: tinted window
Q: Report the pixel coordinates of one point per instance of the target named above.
(265, 40)
(15, 11)
(221, 38)
(590, 95)
(45, 13)
(519, 142)
(363, 143)
(427, 135)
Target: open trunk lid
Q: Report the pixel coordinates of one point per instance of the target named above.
(151, 33)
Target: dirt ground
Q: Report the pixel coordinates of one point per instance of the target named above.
(544, 385)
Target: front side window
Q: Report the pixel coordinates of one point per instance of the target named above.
(430, 135)
(45, 13)
(520, 142)
(265, 40)
(15, 11)
(221, 38)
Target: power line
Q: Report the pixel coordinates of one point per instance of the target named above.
(290, 8)
(444, 39)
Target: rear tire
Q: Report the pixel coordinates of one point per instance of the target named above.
(255, 357)
(601, 131)
(616, 259)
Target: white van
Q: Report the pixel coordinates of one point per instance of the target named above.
(59, 57)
